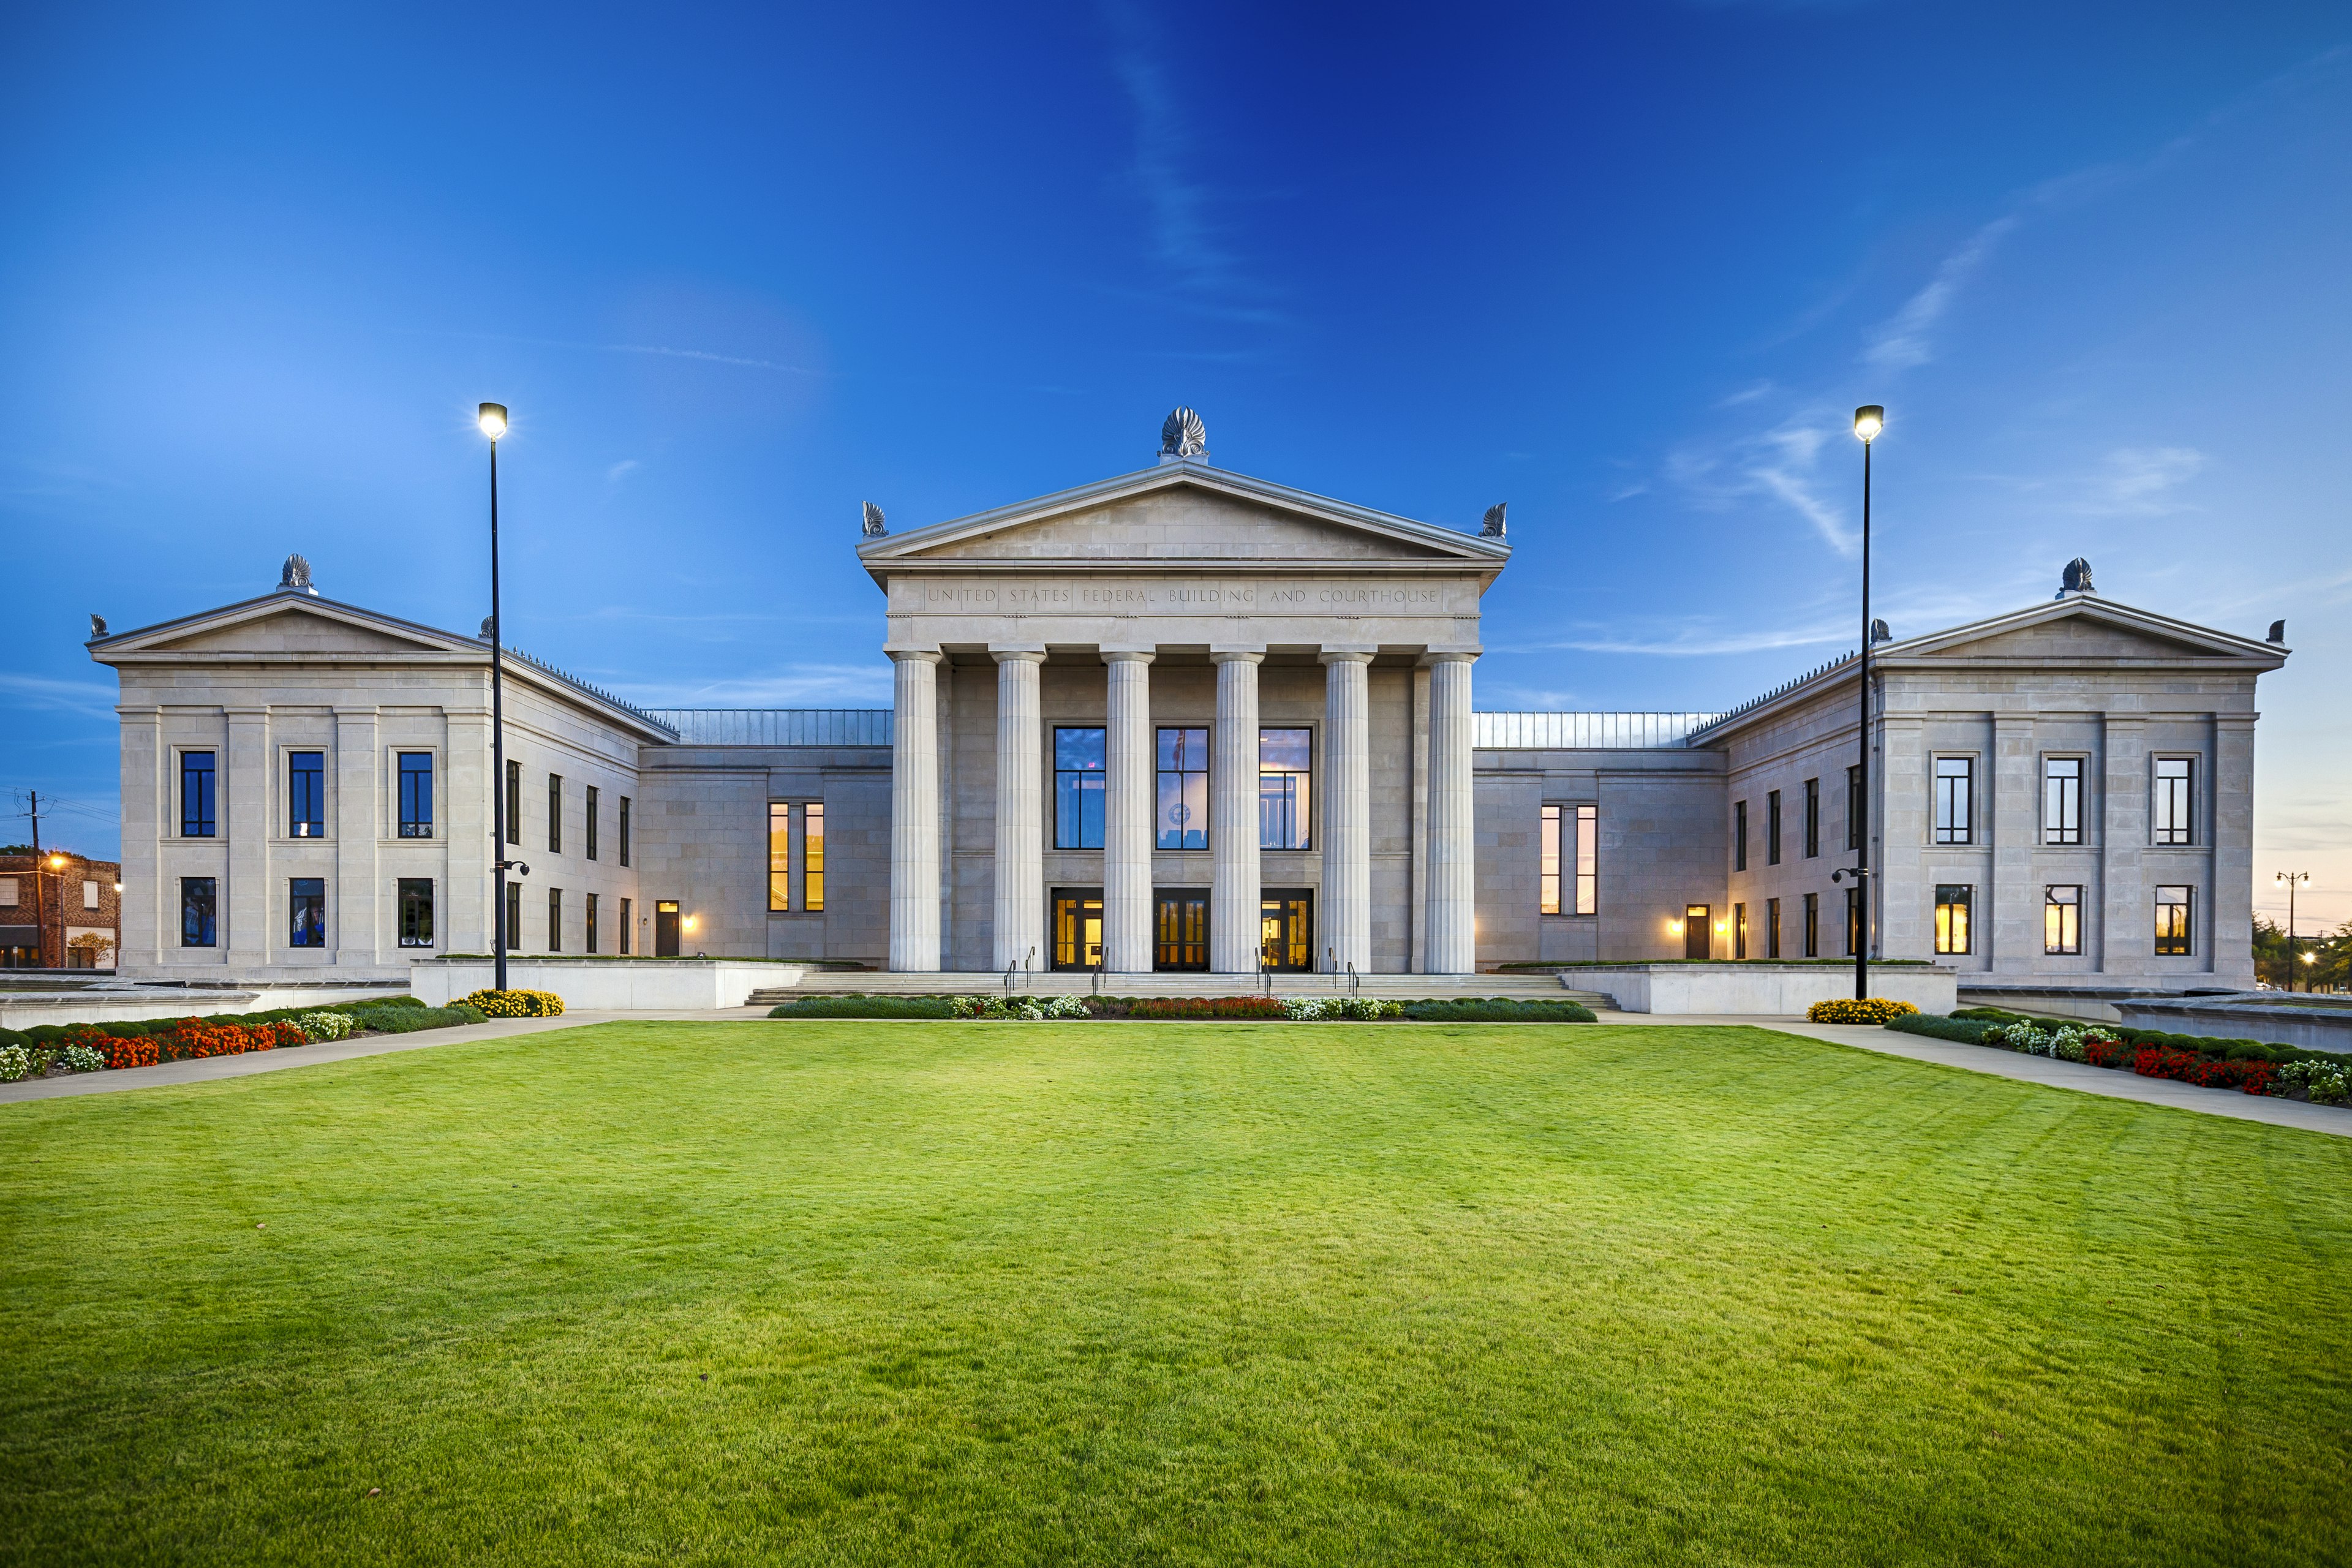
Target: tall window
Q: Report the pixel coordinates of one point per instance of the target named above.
(1852, 922)
(1772, 828)
(1954, 801)
(589, 909)
(1771, 928)
(1952, 917)
(306, 912)
(514, 805)
(416, 795)
(589, 846)
(1548, 861)
(1284, 765)
(1739, 931)
(780, 856)
(1853, 806)
(554, 816)
(1182, 798)
(2172, 803)
(514, 917)
(1740, 836)
(555, 919)
(1588, 859)
(2061, 802)
(196, 797)
(1077, 789)
(416, 911)
(2172, 927)
(813, 856)
(1812, 817)
(624, 830)
(198, 902)
(2061, 920)
(627, 927)
(306, 795)
(1813, 925)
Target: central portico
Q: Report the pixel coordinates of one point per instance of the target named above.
(1182, 719)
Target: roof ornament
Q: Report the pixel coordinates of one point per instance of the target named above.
(875, 526)
(295, 577)
(1183, 435)
(1493, 527)
(2076, 579)
(489, 632)
(1880, 632)
(2278, 631)
(98, 627)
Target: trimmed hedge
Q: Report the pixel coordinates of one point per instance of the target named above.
(866, 1008)
(1935, 1026)
(1499, 1010)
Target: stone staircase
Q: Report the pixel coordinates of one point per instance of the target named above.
(1069, 983)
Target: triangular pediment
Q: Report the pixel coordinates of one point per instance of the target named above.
(1184, 512)
(2082, 629)
(285, 625)
(293, 631)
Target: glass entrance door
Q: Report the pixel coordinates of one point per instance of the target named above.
(1286, 929)
(1077, 928)
(1180, 930)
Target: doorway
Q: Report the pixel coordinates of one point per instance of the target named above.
(1180, 930)
(1286, 929)
(666, 929)
(1077, 927)
(1699, 928)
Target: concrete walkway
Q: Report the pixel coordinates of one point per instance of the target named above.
(2044, 1070)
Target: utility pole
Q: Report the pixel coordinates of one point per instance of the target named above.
(35, 796)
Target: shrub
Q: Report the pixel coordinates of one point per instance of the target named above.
(128, 1050)
(502, 1004)
(1498, 1010)
(1207, 1007)
(2209, 1072)
(13, 1038)
(1937, 1026)
(194, 1040)
(1360, 1009)
(2325, 1081)
(15, 1062)
(866, 1008)
(1867, 1010)
(397, 1020)
(318, 1027)
(1034, 1009)
(81, 1058)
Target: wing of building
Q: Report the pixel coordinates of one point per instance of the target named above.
(1186, 719)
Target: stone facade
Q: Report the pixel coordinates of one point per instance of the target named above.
(1184, 600)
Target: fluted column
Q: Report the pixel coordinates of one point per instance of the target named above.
(1127, 815)
(1346, 811)
(1020, 812)
(1452, 879)
(915, 811)
(1233, 817)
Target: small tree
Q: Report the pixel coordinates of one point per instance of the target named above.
(100, 948)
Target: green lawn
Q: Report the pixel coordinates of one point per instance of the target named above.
(1167, 1293)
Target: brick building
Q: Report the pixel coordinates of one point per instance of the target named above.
(59, 911)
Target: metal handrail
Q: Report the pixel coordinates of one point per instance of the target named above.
(1355, 981)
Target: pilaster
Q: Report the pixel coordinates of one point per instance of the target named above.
(2127, 919)
(2013, 904)
(243, 800)
(358, 902)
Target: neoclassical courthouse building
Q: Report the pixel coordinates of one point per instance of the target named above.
(1186, 719)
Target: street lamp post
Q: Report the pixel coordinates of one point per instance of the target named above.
(2291, 879)
(493, 421)
(1868, 420)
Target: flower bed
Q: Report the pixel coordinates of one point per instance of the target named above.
(1269, 1009)
(1858, 1010)
(515, 1003)
(92, 1047)
(2248, 1067)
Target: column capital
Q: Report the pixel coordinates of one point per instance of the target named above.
(1017, 653)
(1444, 654)
(1138, 655)
(1237, 656)
(1346, 653)
(914, 654)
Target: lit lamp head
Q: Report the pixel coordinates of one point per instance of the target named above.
(1868, 421)
(492, 420)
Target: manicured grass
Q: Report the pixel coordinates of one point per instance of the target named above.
(1167, 1293)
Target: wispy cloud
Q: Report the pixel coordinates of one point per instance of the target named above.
(621, 470)
(1778, 464)
(2139, 481)
(1907, 338)
(793, 685)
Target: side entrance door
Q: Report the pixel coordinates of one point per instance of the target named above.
(1286, 929)
(666, 929)
(1077, 928)
(1180, 930)
(1698, 931)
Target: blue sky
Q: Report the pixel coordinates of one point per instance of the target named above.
(1629, 268)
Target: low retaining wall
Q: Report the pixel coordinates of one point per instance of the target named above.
(26, 1009)
(617, 984)
(2318, 1023)
(1777, 990)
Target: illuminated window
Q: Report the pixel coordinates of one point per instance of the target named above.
(1771, 928)
(2061, 920)
(2172, 927)
(1548, 873)
(1852, 922)
(813, 856)
(1952, 917)
(1588, 859)
(1078, 789)
(588, 909)
(1284, 765)
(1181, 806)
(780, 856)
